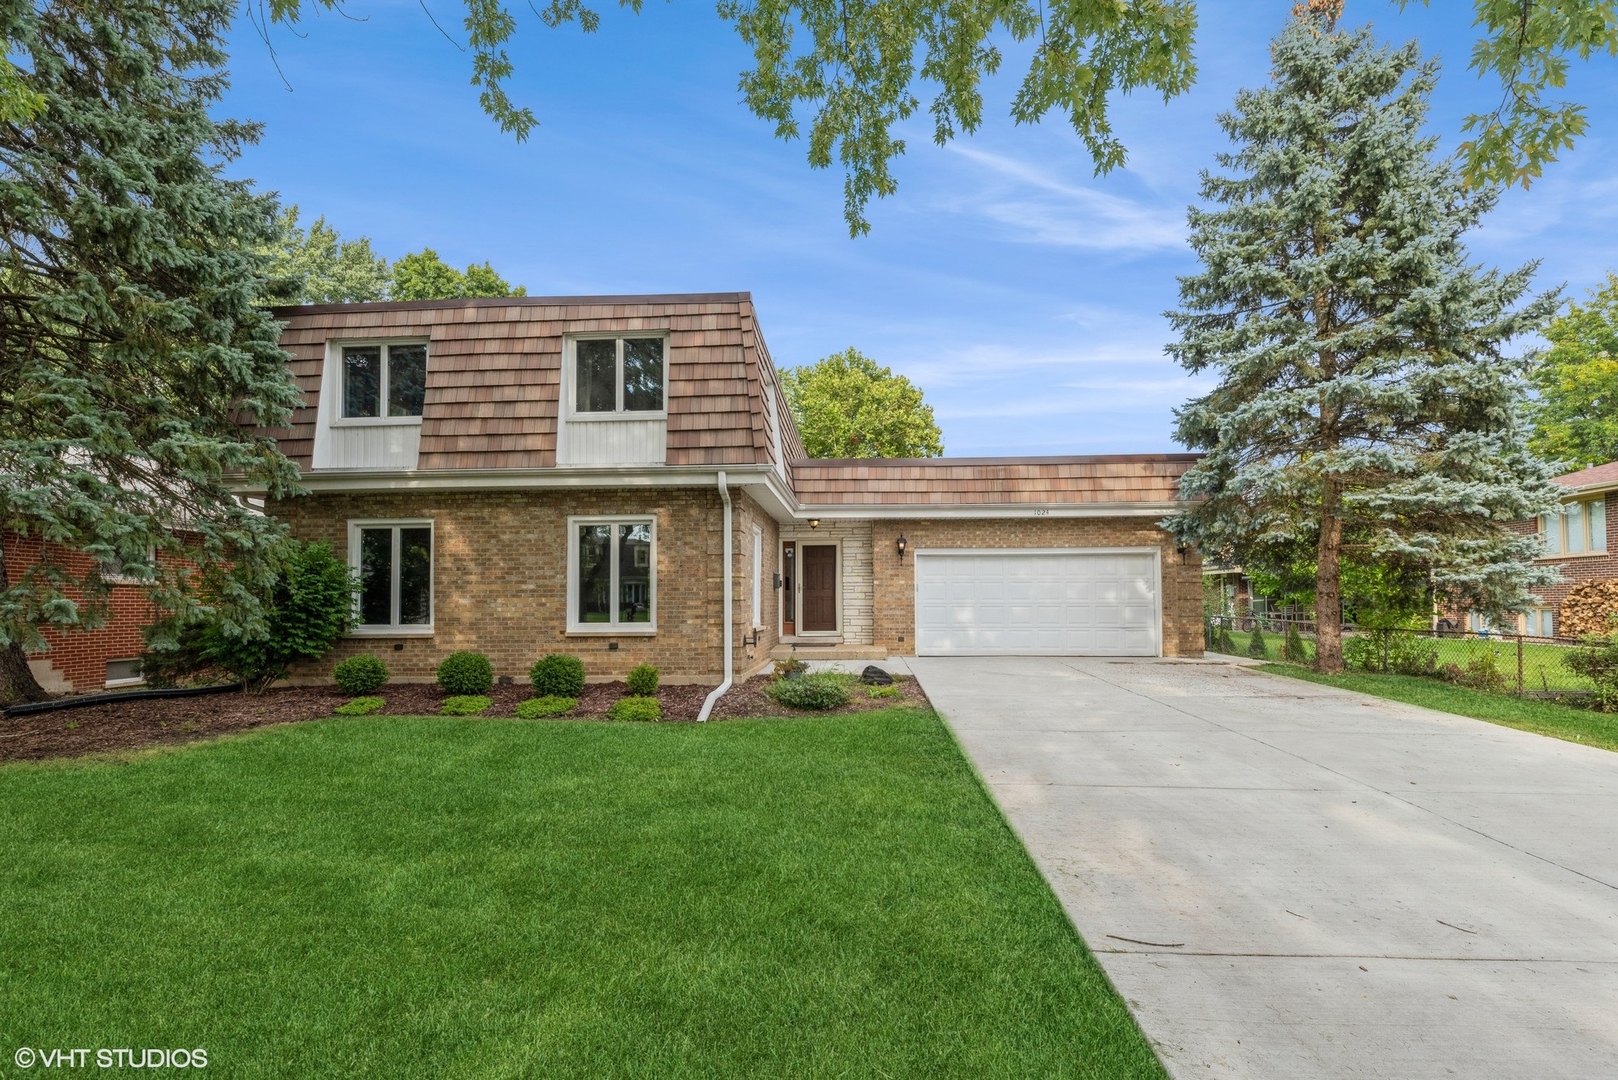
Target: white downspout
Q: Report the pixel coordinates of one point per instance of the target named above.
(719, 691)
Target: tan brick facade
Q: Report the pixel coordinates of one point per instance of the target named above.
(895, 591)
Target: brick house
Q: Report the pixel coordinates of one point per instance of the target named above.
(614, 476)
(1575, 542)
(81, 661)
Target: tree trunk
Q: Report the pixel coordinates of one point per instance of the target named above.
(17, 682)
(1328, 581)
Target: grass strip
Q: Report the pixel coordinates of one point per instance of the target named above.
(425, 897)
(1526, 714)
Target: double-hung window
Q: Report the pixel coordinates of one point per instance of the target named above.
(618, 375)
(612, 575)
(384, 381)
(1581, 527)
(394, 562)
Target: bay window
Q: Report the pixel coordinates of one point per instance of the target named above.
(394, 563)
(612, 575)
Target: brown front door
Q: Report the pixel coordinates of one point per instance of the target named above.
(819, 571)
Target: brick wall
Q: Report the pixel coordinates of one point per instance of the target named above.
(500, 578)
(76, 660)
(895, 582)
(747, 513)
(854, 574)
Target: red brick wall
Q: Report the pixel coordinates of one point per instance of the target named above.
(80, 657)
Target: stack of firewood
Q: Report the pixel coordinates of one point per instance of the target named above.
(1591, 608)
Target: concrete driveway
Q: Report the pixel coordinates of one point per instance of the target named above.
(1287, 880)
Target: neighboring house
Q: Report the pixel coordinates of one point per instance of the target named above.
(1575, 542)
(534, 475)
(82, 661)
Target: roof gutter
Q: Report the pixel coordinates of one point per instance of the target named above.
(730, 588)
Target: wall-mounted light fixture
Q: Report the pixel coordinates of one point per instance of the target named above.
(1181, 548)
(814, 523)
(901, 544)
(777, 578)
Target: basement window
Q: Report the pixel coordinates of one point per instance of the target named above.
(124, 672)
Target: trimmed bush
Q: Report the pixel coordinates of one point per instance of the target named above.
(1292, 649)
(360, 706)
(643, 680)
(825, 690)
(1255, 645)
(540, 707)
(465, 673)
(557, 675)
(636, 708)
(465, 705)
(359, 675)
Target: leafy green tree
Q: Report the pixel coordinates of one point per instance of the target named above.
(1576, 417)
(1363, 393)
(858, 67)
(320, 267)
(424, 276)
(1379, 591)
(133, 338)
(849, 406)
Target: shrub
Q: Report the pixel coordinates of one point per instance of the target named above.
(557, 675)
(1389, 650)
(636, 708)
(643, 680)
(1222, 641)
(790, 669)
(360, 674)
(306, 607)
(1596, 658)
(883, 691)
(539, 707)
(464, 705)
(1255, 645)
(360, 706)
(465, 673)
(1292, 648)
(825, 690)
(1480, 673)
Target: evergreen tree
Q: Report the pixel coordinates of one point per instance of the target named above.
(1363, 392)
(1576, 417)
(132, 338)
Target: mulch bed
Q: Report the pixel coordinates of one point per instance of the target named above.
(130, 725)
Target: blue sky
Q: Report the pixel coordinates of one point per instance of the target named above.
(1022, 293)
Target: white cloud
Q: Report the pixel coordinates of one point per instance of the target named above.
(1038, 208)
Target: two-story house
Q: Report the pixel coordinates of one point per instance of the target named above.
(620, 478)
(1575, 542)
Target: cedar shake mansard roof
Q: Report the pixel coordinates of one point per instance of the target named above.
(493, 396)
(495, 367)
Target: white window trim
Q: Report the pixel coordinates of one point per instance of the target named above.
(758, 577)
(138, 680)
(570, 378)
(335, 365)
(396, 629)
(609, 629)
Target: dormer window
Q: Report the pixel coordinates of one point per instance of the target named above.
(618, 375)
(383, 381)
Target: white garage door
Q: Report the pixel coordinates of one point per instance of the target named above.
(1062, 602)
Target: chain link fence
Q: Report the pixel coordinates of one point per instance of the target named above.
(1518, 664)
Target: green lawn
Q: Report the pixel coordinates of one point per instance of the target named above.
(1542, 663)
(1527, 714)
(397, 898)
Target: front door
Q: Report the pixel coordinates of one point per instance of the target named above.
(819, 571)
